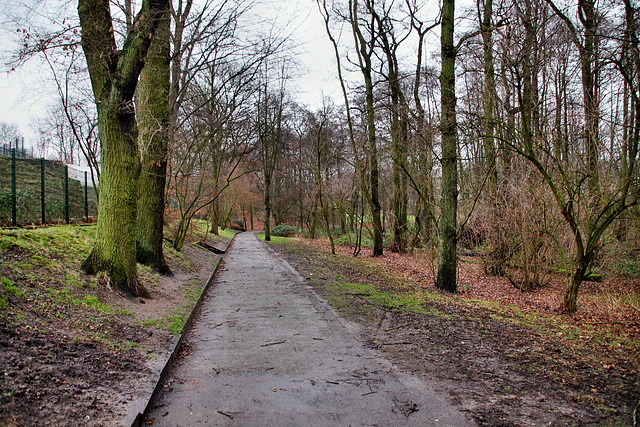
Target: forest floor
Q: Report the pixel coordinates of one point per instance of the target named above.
(73, 351)
(504, 356)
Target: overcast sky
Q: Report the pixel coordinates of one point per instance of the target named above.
(24, 96)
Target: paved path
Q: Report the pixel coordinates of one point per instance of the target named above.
(268, 351)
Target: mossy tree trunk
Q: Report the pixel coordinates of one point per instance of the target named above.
(153, 121)
(447, 239)
(114, 75)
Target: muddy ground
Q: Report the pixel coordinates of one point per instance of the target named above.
(66, 362)
(499, 370)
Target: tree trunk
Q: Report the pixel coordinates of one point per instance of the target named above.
(114, 251)
(323, 208)
(573, 287)
(488, 102)
(114, 75)
(374, 175)
(365, 50)
(399, 179)
(215, 218)
(267, 206)
(153, 122)
(181, 232)
(447, 257)
(588, 58)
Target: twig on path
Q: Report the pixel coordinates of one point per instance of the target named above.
(273, 343)
(226, 415)
(230, 322)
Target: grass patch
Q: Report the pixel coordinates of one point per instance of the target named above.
(274, 239)
(193, 293)
(227, 233)
(175, 323)
(11, 288)
(404, 301)
(171, 323)
(92, 302)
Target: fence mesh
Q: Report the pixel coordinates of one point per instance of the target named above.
(65, 197)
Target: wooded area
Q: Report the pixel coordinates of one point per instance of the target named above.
(517, 140)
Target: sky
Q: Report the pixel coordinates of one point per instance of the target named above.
(20, 101)
(23, 98)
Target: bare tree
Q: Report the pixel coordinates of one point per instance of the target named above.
(447, 256)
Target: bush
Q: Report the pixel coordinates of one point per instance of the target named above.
(237, 225)
(285, 230)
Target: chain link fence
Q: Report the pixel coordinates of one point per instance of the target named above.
(39, 191)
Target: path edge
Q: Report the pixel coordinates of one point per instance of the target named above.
(136, 417)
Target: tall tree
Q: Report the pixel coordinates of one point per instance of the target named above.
(448, 237)
(269, 115)
(425, 217)
(319, 143)
(489, 90)
(365, 42)
(153, 123)
(587, 46)
(324, 11)
(114, 76)
(390, 44)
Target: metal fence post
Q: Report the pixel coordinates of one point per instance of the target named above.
(42, 205)
(66, 194)
(14, 209)
(86, 199)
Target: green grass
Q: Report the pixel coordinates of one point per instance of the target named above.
(175, 323)
(171, 323)
(227, 232)
(404, 301)
(92, 302)
(199, 227)
(193, 293)
(11, 288)
(274, 239)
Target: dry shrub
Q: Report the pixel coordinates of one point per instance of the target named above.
(519, 232)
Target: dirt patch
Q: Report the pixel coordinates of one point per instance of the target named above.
(79, 353)
(501, 368)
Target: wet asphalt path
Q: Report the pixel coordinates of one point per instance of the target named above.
(266, 350)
